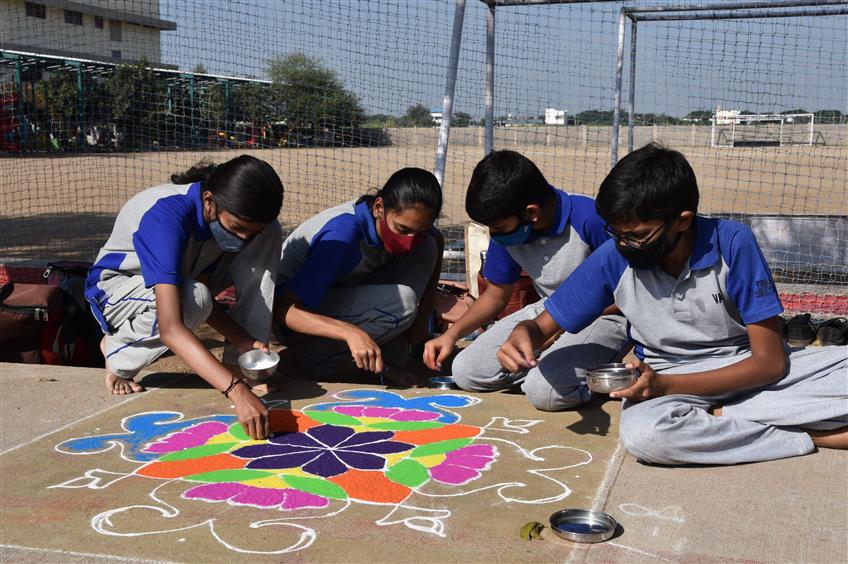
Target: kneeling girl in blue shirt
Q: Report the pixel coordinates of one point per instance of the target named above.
(356, 281)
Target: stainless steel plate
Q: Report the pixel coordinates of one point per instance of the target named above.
(443, 383)
(583, 525)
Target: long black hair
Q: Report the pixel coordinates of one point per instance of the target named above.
(409, 187)
(245, 186)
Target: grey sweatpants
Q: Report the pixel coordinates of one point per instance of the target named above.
(754, 426)
(131, 308)
(384, 305)
(554, 384)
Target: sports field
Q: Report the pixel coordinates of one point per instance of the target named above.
(63, 206)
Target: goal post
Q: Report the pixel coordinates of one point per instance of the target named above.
(735, 129)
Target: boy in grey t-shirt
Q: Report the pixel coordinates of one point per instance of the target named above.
(548, 233)
(703, 310)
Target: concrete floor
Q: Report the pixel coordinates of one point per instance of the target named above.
(793, 510)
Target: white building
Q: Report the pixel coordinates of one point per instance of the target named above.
(114, 31)
(436, 114)
(554, 116)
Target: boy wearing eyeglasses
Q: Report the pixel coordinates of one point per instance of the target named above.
(717, 385)
(547, 233)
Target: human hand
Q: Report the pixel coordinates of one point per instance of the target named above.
(648, 385)
(365, 352)
(251, 412)
(249, 344)
(518, 353)
(437, 350)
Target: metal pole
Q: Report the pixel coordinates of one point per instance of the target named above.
(23, 126)
(490, 80)
(733, 6)
(616, 98)
(447, 104)
(227, 111)
(192, 116)
(812, 121)
(631, 103)
(80, 107)
(728, 14)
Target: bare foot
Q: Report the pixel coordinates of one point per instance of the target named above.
(121, 386)
(116, 385)
(835, 438)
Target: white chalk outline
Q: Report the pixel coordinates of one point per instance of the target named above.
(85, 554)
(102, 522)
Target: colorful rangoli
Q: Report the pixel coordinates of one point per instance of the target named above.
(373, 447)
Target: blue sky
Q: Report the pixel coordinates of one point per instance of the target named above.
(393, 54)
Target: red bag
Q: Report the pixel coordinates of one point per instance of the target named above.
(523, 294)
(452, 301)
(43, 324)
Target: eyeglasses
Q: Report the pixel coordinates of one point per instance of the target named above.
(632, 242)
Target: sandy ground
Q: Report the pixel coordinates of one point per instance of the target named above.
(63, 207)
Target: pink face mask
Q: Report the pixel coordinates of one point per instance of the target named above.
(396, 244)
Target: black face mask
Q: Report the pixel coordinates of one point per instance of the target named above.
(650, 254)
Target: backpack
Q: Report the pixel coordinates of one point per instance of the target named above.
(43, 324)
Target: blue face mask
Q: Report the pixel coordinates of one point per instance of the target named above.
(228, 242)
(517, 236)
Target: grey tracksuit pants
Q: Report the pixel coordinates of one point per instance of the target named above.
(553, 384)
(384, 305)
(754, 426)
(135, 341)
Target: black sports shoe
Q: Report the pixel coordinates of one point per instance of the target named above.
(800, 331)
(834, 331)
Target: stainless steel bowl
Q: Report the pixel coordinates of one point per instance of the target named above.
(258, 365)
(583, 525)
(606, 378)
(443, 383)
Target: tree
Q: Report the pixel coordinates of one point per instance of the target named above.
(829, 116)
(136, 94)
(380, 120)
(199, 69)
(313, 96)
(461, 119)
(417, 116)
(699, 116)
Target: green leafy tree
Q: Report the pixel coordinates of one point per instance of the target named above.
(312, 96)
(830, 116)
(136, 96)
(380, 120)
(461, 119)
(417, 116)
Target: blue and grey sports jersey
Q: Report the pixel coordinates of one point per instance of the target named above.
(550, 257)
(159, 234)
(701, 314)
(338, 246)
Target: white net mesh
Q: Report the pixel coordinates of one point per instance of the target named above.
(337, 95)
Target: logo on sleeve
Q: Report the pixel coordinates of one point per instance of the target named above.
(764, 288)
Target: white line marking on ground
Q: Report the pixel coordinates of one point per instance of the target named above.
(81, 554)
(642, 552)
(609, 477)
(133, 397)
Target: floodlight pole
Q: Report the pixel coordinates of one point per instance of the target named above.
(631, 102)
(616, 98)
(489, 132)
(450, 87)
